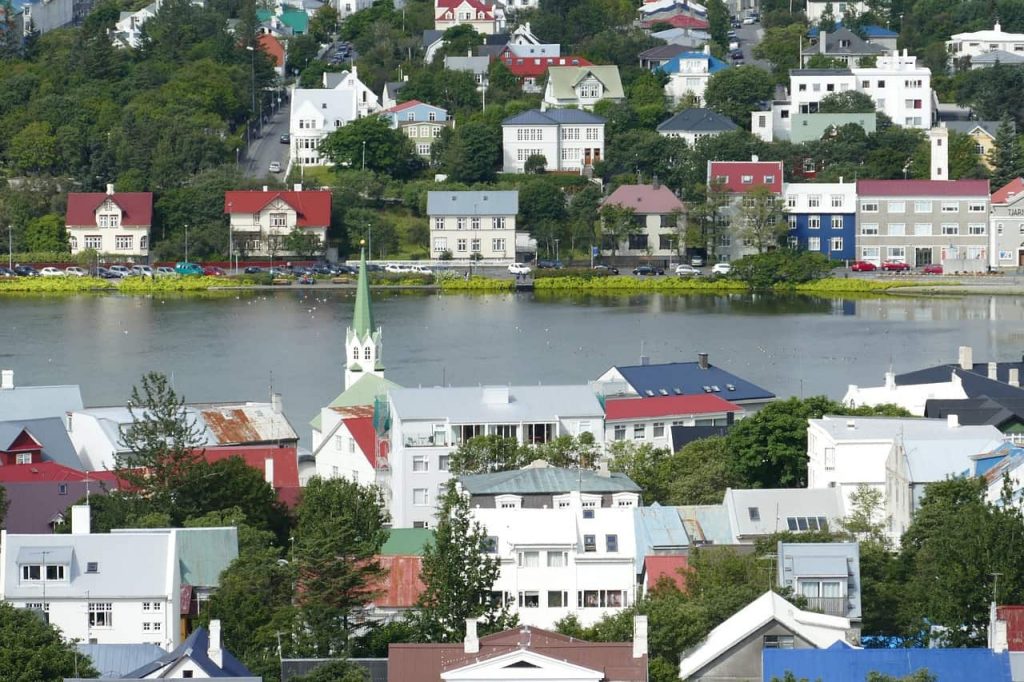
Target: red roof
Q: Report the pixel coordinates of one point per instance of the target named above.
(922, 188)
(760, 174)
(49, 471)
(136, 208)
(678, 21)
(312, 206)
(426, 662)
(644, 199)
(671, 566)
(531, 67)
(475, 4)
(364, 435)
(286, 464)
(400, 107)
(401, 586)
(1014, 617)
(1012, 189)
(667, 406)
(273, 47)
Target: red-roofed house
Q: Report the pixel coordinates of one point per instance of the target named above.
(924, 222)
(737, 178)
(115, 223)
(678, 21)
(484, 18)
(1007, 224)
(260, 220)
(274, 49)
(529, 63)
(674, 567)
(660, 219)
(523, 653)
(649, 419)
(350, 446)
(279, 465)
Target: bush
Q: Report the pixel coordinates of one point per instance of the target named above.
(453, 282)
(400, 279)
(54, 285)
(146, 285)
(628, 283)
(780, 268)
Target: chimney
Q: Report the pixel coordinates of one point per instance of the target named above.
(265, 188)
(80, 519)
(1014, 379)
(707, 49)
(639, 636)
(993, 371)
(654, 182)
(939, 138)
(821, 42)
(890, 380)
(276, 403)
(110, 189)
(997, 635)
(471, 644)
(966, 358)
(214, 652)
(602, 469)
(952, 421)
(702, 360)
(268, 471)
(753, 158)
(645, 360)
(6, 379)
(297, 187)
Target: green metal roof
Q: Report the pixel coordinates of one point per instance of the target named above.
(407, 542)
(549, 480)
(204, 552)
(264, 14)
(296, 19)
(363, 392)
(362, 319)
(811, 127)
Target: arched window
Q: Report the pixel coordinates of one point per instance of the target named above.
(366, 353)
(143, 242)
(73, 242)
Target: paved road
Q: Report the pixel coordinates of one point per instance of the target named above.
(268, 148)
(750, 35)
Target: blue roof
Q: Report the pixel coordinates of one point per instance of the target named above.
(672, 66)
(117, 660)
(840, 664)
(195, 648)
(870, 31)
(690, 379)
(536, 117)
(658, 528)
(48, 432)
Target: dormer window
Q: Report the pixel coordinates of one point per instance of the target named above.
(508, 502)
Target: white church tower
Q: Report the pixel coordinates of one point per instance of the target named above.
(939, 138)
(362, 340)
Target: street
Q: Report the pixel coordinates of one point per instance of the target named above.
(256, 160)
(750, 35)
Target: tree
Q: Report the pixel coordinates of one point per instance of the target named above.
(341, 670)
(372, 144)
(1006, 157)
(162, 445)
(536, 164)
(46, 233)
(991, 92)
(737, 91)
(707, 468)
(324, 23)
(459, 40)
(541, 203)
(617, 223)
(921, 675)
(762, 219)
(33, 149)
(705, 220)
(779, 47)
(473, 153)
(34, 651)
(338, 535)
(718, 23)
(302, 243)
(458, 574)
(849, 102)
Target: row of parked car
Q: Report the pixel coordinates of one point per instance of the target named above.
(893, 266)
(113, 271)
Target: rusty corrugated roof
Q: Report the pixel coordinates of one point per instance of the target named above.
(248, 423)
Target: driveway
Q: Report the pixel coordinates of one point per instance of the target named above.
(750, 35)
(256, 160)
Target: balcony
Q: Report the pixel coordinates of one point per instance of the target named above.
(830, 606)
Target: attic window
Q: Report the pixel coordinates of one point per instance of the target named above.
(522, 664)
(730, 387)
(716, 389)
(707, 389)
(92, 567)
(662, 391)
(62, 489)
(754, 513)
(677, 390)
(649, 393)
(323, 105)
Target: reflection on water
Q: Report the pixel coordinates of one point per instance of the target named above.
(242, 346)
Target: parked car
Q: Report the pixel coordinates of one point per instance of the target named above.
(421, 270)
(396, 269)
(863, 266)
(736, 54)
(549, 265)
(75, 271)
(142, 270)
(606, 270)
(747, 21)
(274, 167)
(26, 271)
(213, 271)
(186, 268)
(895, 266)
(52, 272)
(165, 271)
(286, 139)
(253, 270)
(647, 270)
(103, 273)
(721, 269)
(697, 261)
(121, 270)
(519, 269)
(345, 270)
(374, 267)
(684, 270)
(6, 273)
(933, 269)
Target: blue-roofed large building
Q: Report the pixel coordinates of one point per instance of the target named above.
(840, 663)
(683, 378)
(568, 139)
(688, 75)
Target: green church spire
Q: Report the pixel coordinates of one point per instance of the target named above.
(362, 320)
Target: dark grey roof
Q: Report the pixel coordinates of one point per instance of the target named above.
(684, 435)
(116, 660)
(688, 378)
(50, 433)
(979, 411)
(195, 648)
(547, 480)
(34, 506)
(293, 667)
(698, 120)
(855, 45)
(967, 127)
(392, 88)
(551, 117)
(431, 36)
(975, 382)
(663, 52)
(496, 39)
(491, 51)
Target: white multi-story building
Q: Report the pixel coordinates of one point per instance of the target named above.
(428, 424)
(114, 223)
(473, 224)
(485, 18)
(568, 139)
(964, 47)
(366, 100)
(565, 539)
(318, 112)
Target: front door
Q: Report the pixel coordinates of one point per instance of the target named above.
(922, 257)
(1020, 258)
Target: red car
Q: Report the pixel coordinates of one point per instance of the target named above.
(863, 266)
(895, 266)
(213, 271)
(934, 269)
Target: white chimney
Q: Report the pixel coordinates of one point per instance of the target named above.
(471, 644)
(952, 421)
(214, 652)
(939, 138)
(997, 635)
(966, 358)
(110, 188)
(707, 49)
(639, 636)
(268, 470)
(6, 379)
(993, 371)
(602, 469)
(753, 158)
(1014, 379)
(297, 187)
(265, 188)
(80, 519)
(276, 403)
(890, 380)
(821, 42)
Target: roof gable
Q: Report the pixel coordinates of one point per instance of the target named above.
(510, 666)
(312, 207)
(136, 207)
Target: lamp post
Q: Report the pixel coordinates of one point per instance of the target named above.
(364, 154)
(556, 249)
(231, 241)
(252, 71)
(369, 238)
(186, 243)
(10, 247)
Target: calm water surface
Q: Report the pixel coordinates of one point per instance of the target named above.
(237, 347)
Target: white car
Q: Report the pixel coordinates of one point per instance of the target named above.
(75, 271)
(142, 270)
(275, 167)
(519, 269)
(421, 270)
(747, 21)
(52, 272)
(165, 271)
(395, 268)
(120, 270)
(684, 270)
(721, 269)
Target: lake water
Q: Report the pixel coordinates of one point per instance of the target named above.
(225, 348)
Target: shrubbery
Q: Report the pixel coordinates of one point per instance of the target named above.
(782, 267)
(454, 282)
(630, 283)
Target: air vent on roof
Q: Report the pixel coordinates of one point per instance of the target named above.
(730, 387)
(649, 393)
(662, 391)
(716, 389)
(92, 567)
(707, 389)
(677, 390)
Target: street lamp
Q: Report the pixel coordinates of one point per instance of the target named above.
(556, 249)
(364, 154)
(252, 71)
(186, 243)
(231, 240)
(10, 247)
(369, 238)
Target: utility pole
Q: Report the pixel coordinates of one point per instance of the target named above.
(10, 247)
(186, 243)
(364, 160)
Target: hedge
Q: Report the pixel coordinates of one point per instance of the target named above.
(630, 283)
(476, 283)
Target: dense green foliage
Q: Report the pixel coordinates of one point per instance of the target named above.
(34, 651)
(782, 266)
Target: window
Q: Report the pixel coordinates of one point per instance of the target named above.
(558, 599)
(557, 559)
(474, 245)
(922, 207)
(442, 462)
(830, 459)
(474, 223)
(976, 207)
(897, 206)
(754, 513)
(814, 201)
(870, 253)
(950, 229)
(792, 221)
(837, 201)
(460, 223)
(611, 543)
(814, 243)
(62, 488)
(620, 432)
(460, 245)
(791, 201)
(769, 179)
(950, 206)
(92, 567)
(593, 134)
(747, 179)
(588, 513)
(837, 222)
(976, 229)
(278, 220)
(367, 353)
(529, 559)
(869, 228)
(423, 149)
(914, 104)
(601, 598)
(639, 431)
(440, 244)
(498, 223)
(101, 615)
(778, 641)
(659, 429)
(420, 497)
(836, 244)
(922, 229)
(814, 222)
(490, 545)
(420, 463)
(47, 572)
(869, 206)
(23, 458)
(897, 229)
(529, 600)
(589, 543)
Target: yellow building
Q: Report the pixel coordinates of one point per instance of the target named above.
(982, 132)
